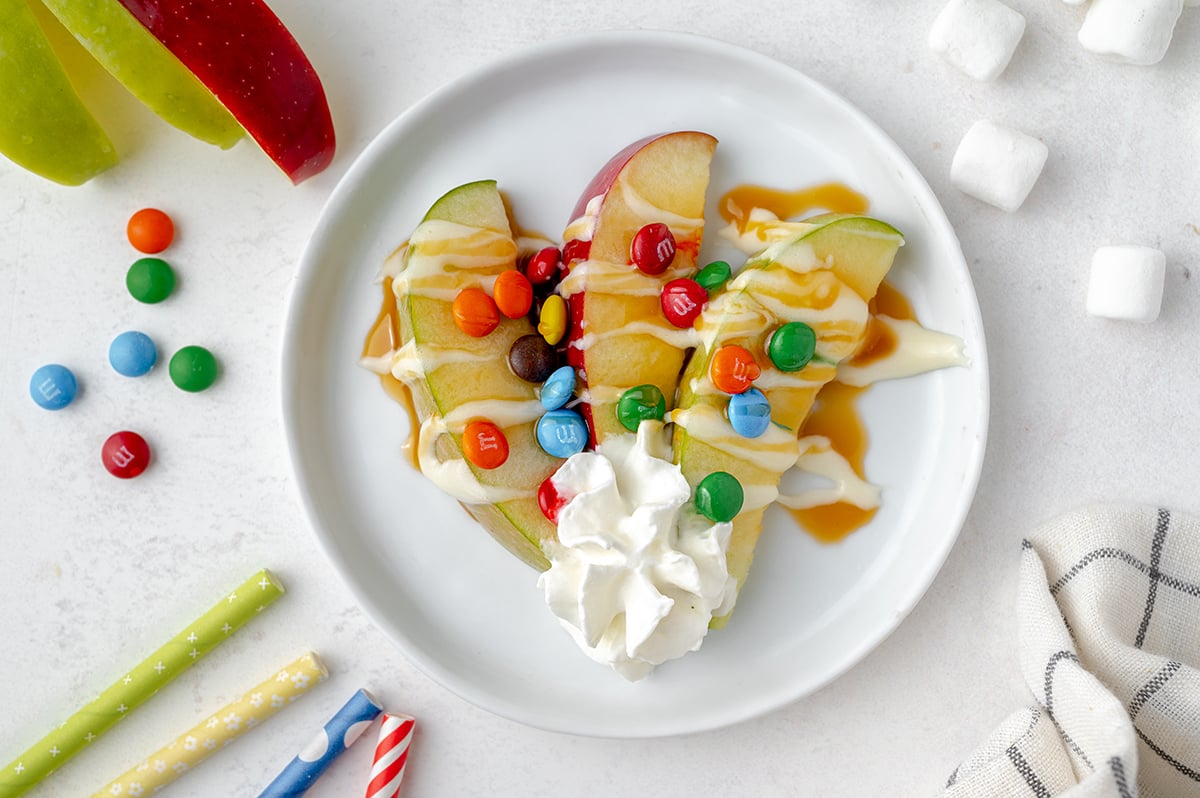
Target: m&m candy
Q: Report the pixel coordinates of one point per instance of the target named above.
(683, 301)
(792, 346)
(641, 403)
(653, 248)
(150, 230)
(714, 275)
(557, 389)
(531, 358)
(484, 445)
(125, 454)
(132, 354)
(749, 413)
(193, 368)
(562, 433)
(719, 497)
(475, 313)
(550, 501)
(733, 369)
(53, 387)
(150, 280)
(512, 293)
(543, 266)
(553, 322)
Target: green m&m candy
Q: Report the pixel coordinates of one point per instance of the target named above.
(150, 280)
(714, 275)
(719, 497)
(792, 346)
(639, 404)
(193, 368)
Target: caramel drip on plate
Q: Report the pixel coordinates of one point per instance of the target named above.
(835, 416)
(381, 341)
(736, 204)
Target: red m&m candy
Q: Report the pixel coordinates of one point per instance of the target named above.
(550, 500)
(683, 301)
(543, 266)
(125, 454)
(653, 248)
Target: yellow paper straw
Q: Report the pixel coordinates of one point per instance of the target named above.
(219, 729)
(79, 730)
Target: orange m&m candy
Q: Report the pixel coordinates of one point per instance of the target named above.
(150, 230)
(485, 445)
(733, 369)
(474, 312)
(513, 293)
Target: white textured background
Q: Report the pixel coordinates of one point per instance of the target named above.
(95, 572)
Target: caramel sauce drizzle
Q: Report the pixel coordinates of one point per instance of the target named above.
(736, 204)
(383, 339)
(835, 413)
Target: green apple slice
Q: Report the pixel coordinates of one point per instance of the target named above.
(147, 69)
(465, 240)
(44, 127)
(823, 276)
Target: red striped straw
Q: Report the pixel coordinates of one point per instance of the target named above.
(391, 755)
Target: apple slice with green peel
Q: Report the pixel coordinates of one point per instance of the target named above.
(619, 336)
(822, 277)
(245, 56)
(464, 241)
(44, 127)
(147, 69)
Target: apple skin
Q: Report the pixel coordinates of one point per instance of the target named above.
(245, 56)
(44, 127)
(604, 178)
(674, 167)
(147, 69)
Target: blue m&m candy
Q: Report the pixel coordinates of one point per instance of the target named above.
(132, 354)
(558, 388)
(562, 433)
(53, 386)
(749, 413)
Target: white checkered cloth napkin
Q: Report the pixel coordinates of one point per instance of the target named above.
(1109, 616)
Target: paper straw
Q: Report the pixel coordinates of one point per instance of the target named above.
(339, 734)
(391, 755)
(79, 730)
(219, 729)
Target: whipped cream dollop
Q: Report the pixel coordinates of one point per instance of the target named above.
(637, 573)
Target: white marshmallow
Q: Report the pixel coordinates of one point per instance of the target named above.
(997, 164)
(1135, 31)
(1126, 283)
(977, 36)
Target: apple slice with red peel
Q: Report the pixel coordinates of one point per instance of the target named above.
(246, 57)
(146, 68)
(44, 127)
(619, 337)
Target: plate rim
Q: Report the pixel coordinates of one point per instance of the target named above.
(308, 270)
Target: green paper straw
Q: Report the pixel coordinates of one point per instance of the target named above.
(202, 636)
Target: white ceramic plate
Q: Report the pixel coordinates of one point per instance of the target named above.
(463, 609)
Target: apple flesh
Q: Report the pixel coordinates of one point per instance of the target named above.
(44, 127)
(147, 69)
(657, 179)
(246, 57)
(518, 524)
(842, 260)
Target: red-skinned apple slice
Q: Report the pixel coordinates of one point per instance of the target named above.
(619, 336)
(245, 56)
